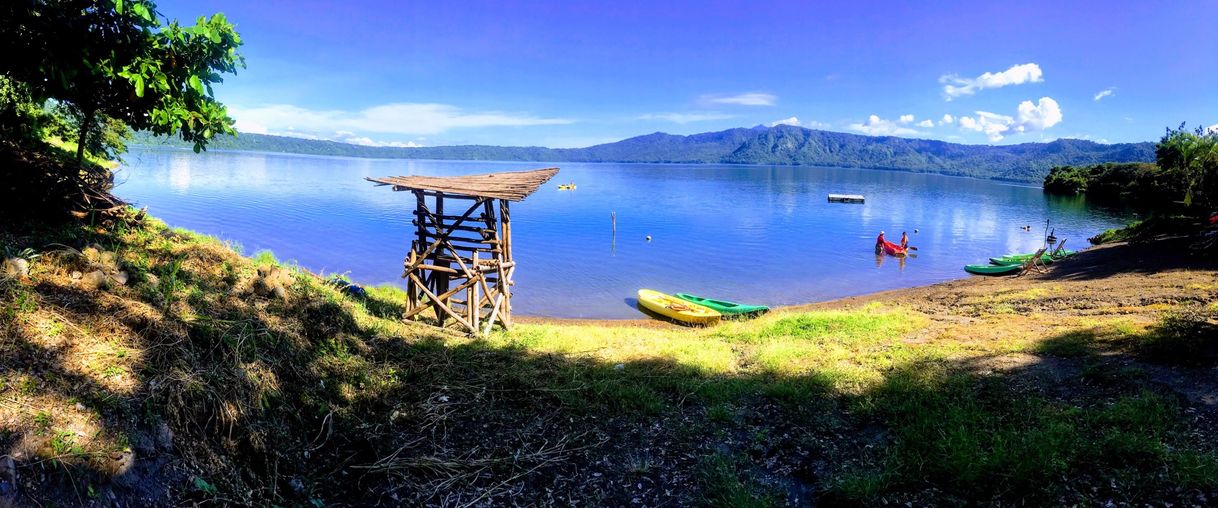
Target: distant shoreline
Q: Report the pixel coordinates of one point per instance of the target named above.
(772, 146)
(1016, 183)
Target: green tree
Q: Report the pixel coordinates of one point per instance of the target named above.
(113, 60)
(1192, 156)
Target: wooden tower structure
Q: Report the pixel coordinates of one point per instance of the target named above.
(460, 264)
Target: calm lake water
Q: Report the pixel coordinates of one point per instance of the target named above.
(757, 234)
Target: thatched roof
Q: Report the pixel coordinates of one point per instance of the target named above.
(509, 185)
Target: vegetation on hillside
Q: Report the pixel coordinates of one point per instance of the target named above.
(191, 378)
(1180, 190)
(1138, 183)
(780, 145)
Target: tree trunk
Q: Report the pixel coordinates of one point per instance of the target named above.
(86, 124)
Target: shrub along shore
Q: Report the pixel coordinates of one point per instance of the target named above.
(201, 375)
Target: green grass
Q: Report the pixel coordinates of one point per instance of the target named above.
(1187, 336)
(881, 393)
(726, 483)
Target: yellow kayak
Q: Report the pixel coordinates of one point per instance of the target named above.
(676, 308)
(566, 187)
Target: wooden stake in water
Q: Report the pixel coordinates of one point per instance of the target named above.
(613, 244)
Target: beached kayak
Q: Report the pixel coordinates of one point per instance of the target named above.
(1005, 260)
(993, 269)
(1027, 256)
(675, 308)
(1023, 258)
(723, 306)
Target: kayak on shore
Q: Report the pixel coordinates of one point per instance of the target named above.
(724, 307)
(1028, 255)
(993, 269)
(677, 309)
(1023, 258)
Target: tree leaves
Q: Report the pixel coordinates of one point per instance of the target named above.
(114, 58)
(197, 84)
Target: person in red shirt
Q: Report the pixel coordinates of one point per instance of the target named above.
(879, 243)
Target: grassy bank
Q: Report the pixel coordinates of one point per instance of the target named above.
(211, 377)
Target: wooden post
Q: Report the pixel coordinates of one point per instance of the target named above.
(413, 296)
(475, 297)
(505, 281)
(439, 277)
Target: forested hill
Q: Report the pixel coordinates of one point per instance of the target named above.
(781, 145)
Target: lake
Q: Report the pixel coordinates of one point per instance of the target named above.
(756, 234)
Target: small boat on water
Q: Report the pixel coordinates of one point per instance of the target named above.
(566, 186)
(677, 309)
(993, 269)
(728, 309)
(891, 249)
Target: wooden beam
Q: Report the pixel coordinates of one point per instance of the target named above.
(440, 306)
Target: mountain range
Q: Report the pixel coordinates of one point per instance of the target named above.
(778, 145)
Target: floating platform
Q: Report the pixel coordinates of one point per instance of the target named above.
(846, 198)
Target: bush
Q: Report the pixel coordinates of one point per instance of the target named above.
(1186, 337)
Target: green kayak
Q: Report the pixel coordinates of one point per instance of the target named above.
(992, 269)
(724, 307)
(1010, 259)
(1016, 260)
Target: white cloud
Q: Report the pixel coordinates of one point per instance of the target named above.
(956, 86)
(906, 118)
(1040, 116)
(338, 136)
(1107, 92)
(876, 126)
(1212, 128)
(785, 121)
(992, 124)
(744, 99)
(1031, 118)
(947, 120)
(354, 139)
(926, 123)
(684, 118)
(395, 118)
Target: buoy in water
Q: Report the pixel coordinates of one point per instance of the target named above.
(649, 238)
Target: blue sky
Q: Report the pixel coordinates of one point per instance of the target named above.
(566, 74)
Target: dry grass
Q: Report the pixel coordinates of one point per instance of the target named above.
(191, 384)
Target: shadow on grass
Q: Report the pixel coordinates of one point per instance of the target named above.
(1159, 256)
(1186, 337)
(290, 402)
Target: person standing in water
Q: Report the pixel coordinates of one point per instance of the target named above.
(904, 241)
(879, 243)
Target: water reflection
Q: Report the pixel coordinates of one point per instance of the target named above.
(763, 234)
